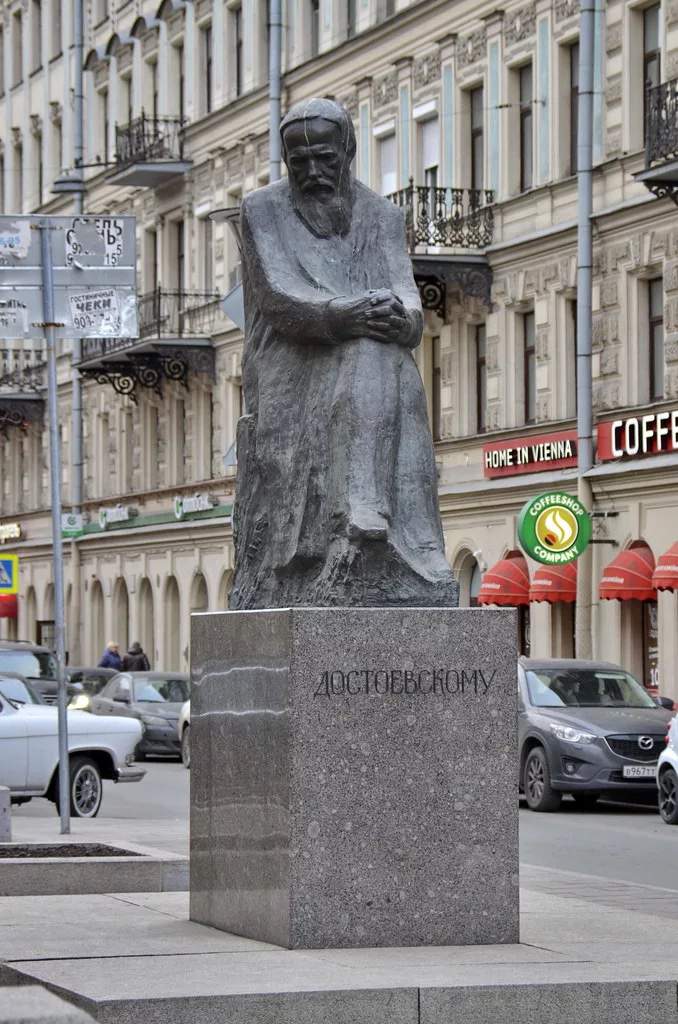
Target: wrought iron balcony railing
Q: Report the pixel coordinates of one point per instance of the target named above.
(149, 139)
(460, 218)
(165, 316)
(661, 122)
(22, 370)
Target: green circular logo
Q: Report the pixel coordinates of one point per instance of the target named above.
(554, 528)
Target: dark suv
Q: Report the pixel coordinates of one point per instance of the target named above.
(36, 664)
(585, 728)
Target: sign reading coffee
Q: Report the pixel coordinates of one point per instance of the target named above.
(651, 434)
(531, 454)
(554, 528)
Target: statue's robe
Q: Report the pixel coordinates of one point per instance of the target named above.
(325, 419)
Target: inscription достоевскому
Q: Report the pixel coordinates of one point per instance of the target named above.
(383, 682)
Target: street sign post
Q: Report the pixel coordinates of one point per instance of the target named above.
(94, 275)
(64, 278)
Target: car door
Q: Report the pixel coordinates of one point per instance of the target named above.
(104, 703)
(122, 695)
(13, 748)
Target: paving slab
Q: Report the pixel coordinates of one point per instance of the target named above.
(136, 959)
(30, 1004)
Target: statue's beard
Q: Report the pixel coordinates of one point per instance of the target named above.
(325, 215)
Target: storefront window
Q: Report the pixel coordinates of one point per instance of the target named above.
(650, 645)
(524, 630)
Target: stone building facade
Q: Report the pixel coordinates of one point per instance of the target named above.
(467, 115)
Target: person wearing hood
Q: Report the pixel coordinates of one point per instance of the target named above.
(135, 660)
(111, 656)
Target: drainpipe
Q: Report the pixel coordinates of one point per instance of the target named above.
(75, 650)
(274, 63)
(583, 631)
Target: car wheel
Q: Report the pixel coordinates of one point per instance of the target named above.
(587, 801)
(537, 783)
(86, 788)
(668, 796)
(186, 746)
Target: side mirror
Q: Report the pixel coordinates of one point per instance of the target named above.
(122, 698)
(664, 702)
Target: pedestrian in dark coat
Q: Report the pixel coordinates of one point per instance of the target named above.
(135, 660)
(111, 656)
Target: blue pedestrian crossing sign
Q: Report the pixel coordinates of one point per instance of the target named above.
(9, 574)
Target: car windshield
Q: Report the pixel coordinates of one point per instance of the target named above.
(15, 690)
(31, 664)
(586, 688)
(160, 691)
(92, 683)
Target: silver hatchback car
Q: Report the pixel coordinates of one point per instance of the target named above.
(587, 728)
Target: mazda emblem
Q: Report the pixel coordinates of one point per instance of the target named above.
(645, 742)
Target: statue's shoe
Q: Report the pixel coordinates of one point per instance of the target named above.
(367, 524)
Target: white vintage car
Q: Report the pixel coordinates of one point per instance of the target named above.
(99, 748)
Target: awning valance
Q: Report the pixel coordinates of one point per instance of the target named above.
(628, 577)
(665, 576)
(554, 583)
(8, 606)
(507, 582)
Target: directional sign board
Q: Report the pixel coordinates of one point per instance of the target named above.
(9, 574)
(94, 265)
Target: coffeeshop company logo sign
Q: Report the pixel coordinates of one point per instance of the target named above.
(554, 528)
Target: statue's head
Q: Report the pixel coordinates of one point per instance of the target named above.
(318, 147)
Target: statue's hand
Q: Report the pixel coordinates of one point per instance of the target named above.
(379, 314)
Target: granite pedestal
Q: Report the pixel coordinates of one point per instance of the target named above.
(354, 776)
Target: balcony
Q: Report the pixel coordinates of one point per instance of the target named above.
(447, 230)
(175, 338)
(149, 151)
(660, 175)
(22, 388)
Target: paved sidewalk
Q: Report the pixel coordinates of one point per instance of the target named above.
(591, 953)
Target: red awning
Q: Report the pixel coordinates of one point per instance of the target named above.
(507, 582)
(665, 576)
(555, 583)
(8, 606)
(628, 577)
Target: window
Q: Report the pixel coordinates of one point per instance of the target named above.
(350, 18)
(656, 336)
(651, 51)
(56, 28)
(266, 36)
(529, 368)
(153, 72)
(180, 255)
(37, 160)
(388, 171)
(2, 61)
(19, 178)
(477, 137)
(430, 144)
(151, 261)
(2, 184)
(525, 107)
(101, 8)
(481, 378)
(314, 26)
(207, 255)
(103, 121)
(436, 390)
(571, 368)
(17, 49)
(235, 18)
(58, 139)
(206, 44)
(574, 105)
(36, 34)
(179, 79)
(127, 98)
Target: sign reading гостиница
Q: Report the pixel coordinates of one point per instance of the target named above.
(554, 528)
